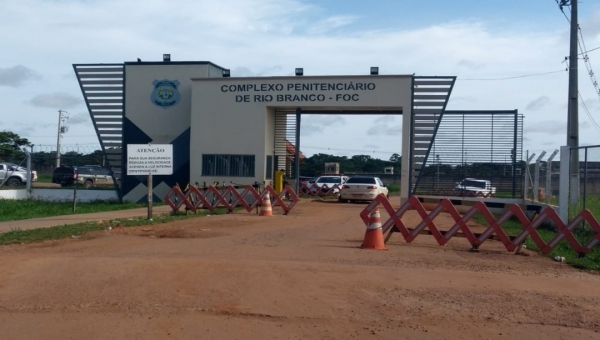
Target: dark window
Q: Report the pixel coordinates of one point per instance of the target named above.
(228, 165)
(475, 184)
(361, 180)
(269, 174)
(334, 180)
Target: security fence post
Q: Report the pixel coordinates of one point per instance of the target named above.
(563, 195)
(536, 177)
(585, 178)
(549, 176)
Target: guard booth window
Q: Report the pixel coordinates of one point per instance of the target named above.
(269, 174)
(228, 165)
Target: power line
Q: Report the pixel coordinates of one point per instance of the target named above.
(593, 49)
(561, 4)
(586, 59)
(588, 65)
(515, 77)
(588, 113)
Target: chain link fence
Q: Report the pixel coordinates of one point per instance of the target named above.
(586, 195)
(45, 158)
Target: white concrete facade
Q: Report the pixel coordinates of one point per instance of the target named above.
(236, 116)
(60, 195)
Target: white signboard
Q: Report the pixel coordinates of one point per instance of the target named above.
(149, 159)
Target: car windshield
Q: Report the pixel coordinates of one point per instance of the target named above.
(361, 180)
(476, 184)
(335, 180)
(14, 167)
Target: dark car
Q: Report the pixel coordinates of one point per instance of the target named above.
(88, 176)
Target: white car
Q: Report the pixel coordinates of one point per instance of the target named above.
(472, 186)
(13, 175)
(362, 189)
(330, 181)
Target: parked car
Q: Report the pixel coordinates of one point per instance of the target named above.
(88, 176)
(330, 181)
(13, 175)
(305, 181)
(363, 188)
(473, 186)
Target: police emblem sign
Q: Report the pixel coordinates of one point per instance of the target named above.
(165, 93)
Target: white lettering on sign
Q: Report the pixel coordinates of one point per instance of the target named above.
(327, 91)
(145, 159)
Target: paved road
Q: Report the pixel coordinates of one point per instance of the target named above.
(48, 222)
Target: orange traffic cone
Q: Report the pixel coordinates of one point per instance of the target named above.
(265, 207)
(374, 235)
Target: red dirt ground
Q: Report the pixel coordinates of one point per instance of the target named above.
(300, 276)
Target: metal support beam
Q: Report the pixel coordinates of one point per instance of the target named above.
(573, 107)
(297, 151)
(536, 177)
(563, 195)
(549, 176)
(527, 175)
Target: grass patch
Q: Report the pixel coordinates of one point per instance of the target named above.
(80, 229)
(46, 178)
(11, 210)
(590, 262)
(393, 189)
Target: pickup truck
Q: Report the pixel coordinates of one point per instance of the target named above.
(12, 175)
(472, 186)
(88, 176)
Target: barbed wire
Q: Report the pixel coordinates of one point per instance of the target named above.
(78, 148)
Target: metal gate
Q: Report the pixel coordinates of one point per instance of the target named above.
(285, 141)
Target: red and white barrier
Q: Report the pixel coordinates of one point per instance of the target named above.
(565, 231)
(230, 198)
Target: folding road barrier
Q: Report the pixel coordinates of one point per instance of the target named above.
(230, 198)
(495, 231)
(320, 191)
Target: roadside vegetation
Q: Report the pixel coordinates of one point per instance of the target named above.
(44, 178)
(12, 210)
(80, 229)
(590, 262)
(393, 189)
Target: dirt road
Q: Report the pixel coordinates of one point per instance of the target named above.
(300, 276)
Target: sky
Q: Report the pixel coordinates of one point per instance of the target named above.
(480, 42)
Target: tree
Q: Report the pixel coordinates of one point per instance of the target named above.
(10, 146)
(395, 158)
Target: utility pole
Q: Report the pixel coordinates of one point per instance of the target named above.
(61, 129)
(573, 105)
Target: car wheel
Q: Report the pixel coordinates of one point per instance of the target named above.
(88, 184)
(13, 182)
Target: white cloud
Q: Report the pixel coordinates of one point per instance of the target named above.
(547, 126)
(382, 129)
(80, 118)
(537, 104)
(272, 37)
(385, 119)
(331, 23)
(57, 100)
(469, 64)
(17, 75)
